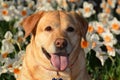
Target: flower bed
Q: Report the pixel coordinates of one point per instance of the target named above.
(103, 38)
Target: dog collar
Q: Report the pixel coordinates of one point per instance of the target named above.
(58, 78)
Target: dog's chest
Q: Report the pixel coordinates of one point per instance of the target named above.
(43, 74)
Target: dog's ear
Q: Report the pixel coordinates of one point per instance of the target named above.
(30, 22)
(83, 24)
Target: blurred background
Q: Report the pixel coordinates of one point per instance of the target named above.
(102, 47)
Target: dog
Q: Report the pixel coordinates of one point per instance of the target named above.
(54, 52)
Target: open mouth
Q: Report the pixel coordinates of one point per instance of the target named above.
(58, 60)
(46, 53)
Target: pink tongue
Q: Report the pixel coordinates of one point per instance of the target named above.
(60, 62)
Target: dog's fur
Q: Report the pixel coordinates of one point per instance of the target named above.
(57, 33)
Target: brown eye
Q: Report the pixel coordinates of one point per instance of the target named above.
(70, 29)
(48, 28)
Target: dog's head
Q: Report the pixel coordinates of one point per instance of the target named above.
(56, 33)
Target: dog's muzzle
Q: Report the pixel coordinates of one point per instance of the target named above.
(58, 60)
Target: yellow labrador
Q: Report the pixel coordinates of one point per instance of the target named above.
(54, 52)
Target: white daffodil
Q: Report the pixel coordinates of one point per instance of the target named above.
(8, 66)
(2, 70)
(5, 4)
(115, 26)
(110, 50)
(7, 47)
(106, 3)
(7, 43)
(99, 27)
(102, 56)
(103, 4)
(43, 5)
(118, 10)
(106, 8)
(18, 24)
(22, 11)
(104, 17)
(91, 27)
(6, 10)
(87, 10)
(111, 3)
(108, 38)
(14, 65)
(31, 4)
(93, 38)
(8, 35)
(5, 14)
(19, 58)
(20, 33)
(93, 42)
(62, 4)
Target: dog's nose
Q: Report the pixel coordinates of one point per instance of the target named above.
(60, 43)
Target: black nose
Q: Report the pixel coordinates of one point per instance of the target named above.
(61, 43)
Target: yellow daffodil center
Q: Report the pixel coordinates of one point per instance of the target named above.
(5, 12)
(115, 26)
(84, 44)
(100, 30)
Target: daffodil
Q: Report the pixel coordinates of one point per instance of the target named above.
(102, 56)
(108, 38)
(110, 50)
(44, 5)
(22, 11)
(103, 4)
(87, 10)
(6, 11)
(112, 3)
(115, 26)
(104, 17)
(7, 44)
(118, 10)
(91, 27)
(106, 8)
(15, 66)
(93, 41)
(99, 27)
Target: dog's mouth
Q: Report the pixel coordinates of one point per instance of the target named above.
(58, 60)
(46, 53)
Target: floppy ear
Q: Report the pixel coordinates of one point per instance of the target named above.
(83, 24)
(30, 22)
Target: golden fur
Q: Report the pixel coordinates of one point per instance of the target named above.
(57, 34)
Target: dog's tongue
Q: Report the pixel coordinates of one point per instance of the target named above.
(60, 62)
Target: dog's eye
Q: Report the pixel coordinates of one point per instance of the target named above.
(48, 28)
(70, 29)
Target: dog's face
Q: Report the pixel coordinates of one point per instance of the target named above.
(57, 34)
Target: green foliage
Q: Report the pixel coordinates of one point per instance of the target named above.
(110, 70)
(7, 76)
(5, 26)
